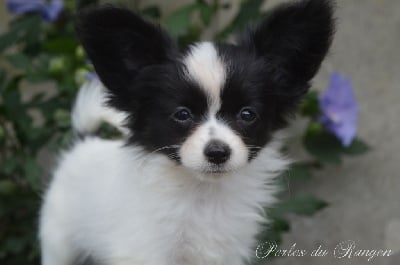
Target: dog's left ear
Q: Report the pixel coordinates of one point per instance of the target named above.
(120, 44)
(293, 39)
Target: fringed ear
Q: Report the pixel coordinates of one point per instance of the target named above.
(294, 38)
(119, 44)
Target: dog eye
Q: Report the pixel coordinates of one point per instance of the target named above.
(182, 114)
(247, 114)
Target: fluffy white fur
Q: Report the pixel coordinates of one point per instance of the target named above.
(90, 109)
(123, 206)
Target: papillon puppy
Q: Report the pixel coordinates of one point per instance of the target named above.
(189, 182)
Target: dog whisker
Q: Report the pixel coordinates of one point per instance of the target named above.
(146, 156)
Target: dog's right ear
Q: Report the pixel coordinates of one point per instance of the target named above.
(119, 44)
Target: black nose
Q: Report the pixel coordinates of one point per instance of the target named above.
(217, 152)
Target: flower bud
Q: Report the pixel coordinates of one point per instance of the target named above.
(57, 65)
(80, 75)
(314, 127)
(80, 53)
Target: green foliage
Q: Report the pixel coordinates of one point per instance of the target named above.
(249, 11)
(302, 205)
(183, 25)
(326, 148)
(33, 53)
(36, 54)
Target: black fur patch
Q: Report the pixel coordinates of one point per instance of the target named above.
(161, 91)
(272, 65)
(120, 44)
(269, 70)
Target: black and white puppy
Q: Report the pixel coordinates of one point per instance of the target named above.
(189, 185)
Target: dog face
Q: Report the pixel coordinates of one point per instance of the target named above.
(211, 107)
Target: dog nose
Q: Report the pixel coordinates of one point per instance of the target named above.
(217, 152)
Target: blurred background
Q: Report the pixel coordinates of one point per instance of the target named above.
(334, 193)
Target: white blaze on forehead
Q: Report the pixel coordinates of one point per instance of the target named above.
(206, 68)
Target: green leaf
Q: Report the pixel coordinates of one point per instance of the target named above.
(37, 138)
(62, 118)
(15, 245)
(25, 22)
(206, 13)
(19, 60)
(107, 131)
(32, 172)
(7, 187)
(178, 23)
(272, 232)
(302, 205)
(193, 35)
(61, 46)
(310, 105)
(58, 65)
(62, 141)
(299, 173)
(249, 11)
(152, 12)
(10, 165)
(85, 3)
(28, 29)
(2, 134)
(8, 39)
(2, 77)
(40, 73)
(24, 30)
(357, 147)
(12, 98)
(323, 146)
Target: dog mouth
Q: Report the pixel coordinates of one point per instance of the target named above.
(216, 169)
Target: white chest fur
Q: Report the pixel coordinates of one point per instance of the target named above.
(123, 206)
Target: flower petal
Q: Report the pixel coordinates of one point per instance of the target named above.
(52, 11)
(24, 6)
(339, 109)
(49, 11)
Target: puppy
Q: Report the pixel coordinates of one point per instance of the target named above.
(189, 183)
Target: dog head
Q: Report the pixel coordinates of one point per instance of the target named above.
(210, 107)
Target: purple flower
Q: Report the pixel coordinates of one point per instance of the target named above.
(49, 10)
(339, 110)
